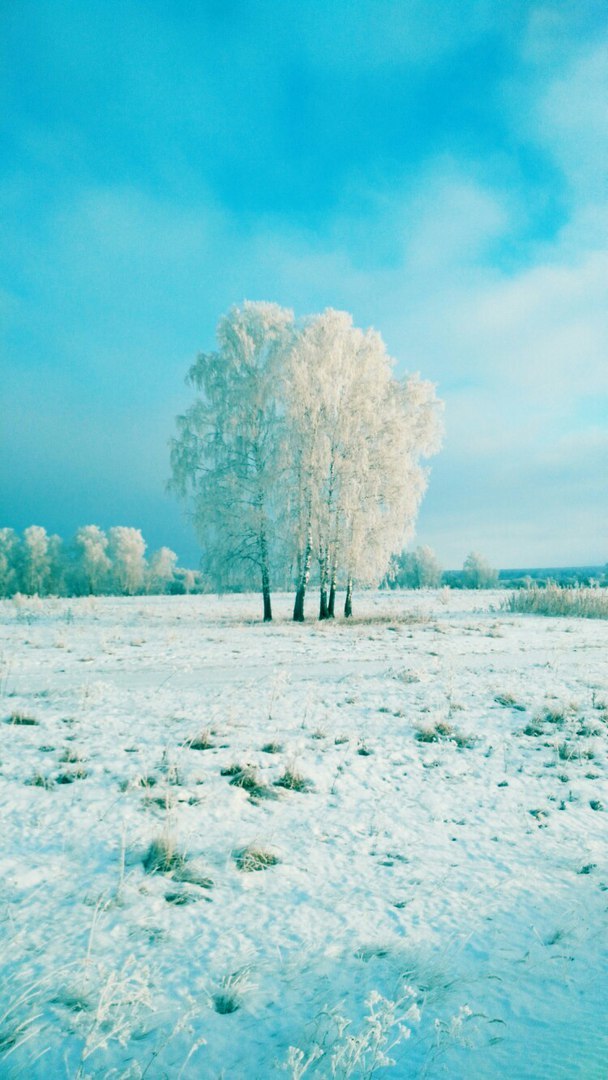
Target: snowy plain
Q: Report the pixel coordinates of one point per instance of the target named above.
(452, 837)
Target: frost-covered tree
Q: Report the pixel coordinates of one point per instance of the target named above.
(92, 561)
(126, 550)
(9, 562)
(477, 572)
(393, 481)
(229, 457)
(418, 569)
(357, 435)
(36, 561)
(161, 570)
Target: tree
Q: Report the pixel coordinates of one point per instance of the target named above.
(161, 570)
(9, 562)
(357, 435)
(93, 564)
(128, 565)
(229, 456)
(388, 489)
(477, 572)
(418, 569)
(35, 561)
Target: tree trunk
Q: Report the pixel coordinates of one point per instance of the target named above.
(348, 602)
(267, 603)
(331, 606)
(265, 576)
(324, 577)
(298, 608)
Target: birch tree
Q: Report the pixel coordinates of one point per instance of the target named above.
(127, 555)
(93, 563)
(161, 570)
(35, 561)
(357, 436)
(229, 457)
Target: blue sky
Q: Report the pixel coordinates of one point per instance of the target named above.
(436, 167)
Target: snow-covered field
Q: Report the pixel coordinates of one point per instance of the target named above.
(450, 849)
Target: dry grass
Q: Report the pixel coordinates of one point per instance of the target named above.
(558, 600)
(164, 856)
(19, 719)
(292, 780)
(509, 702)
(71, 775)
(248, 778)
(203, 741)
(272, 748)
(444, 732)
(252, 858)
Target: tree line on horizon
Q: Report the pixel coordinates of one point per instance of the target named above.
(301, 457)
(93, 563)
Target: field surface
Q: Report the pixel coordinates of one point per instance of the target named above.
(222, 840)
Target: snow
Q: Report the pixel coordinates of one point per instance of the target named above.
(472, 870)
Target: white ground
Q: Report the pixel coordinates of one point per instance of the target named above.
(475, 874)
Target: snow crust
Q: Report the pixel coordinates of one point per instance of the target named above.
(472, 868)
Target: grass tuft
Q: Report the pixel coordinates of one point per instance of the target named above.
(272, 748)
(163, 856)
(252, 858)
(247, 778)
(203, 741)
(292, 780)
(19, 719)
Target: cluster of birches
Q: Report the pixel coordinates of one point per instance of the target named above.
(302, 453)
(93, 563)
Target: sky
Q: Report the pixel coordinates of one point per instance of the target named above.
(436, 167)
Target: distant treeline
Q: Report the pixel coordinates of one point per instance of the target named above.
(93, 563)
(420, 569)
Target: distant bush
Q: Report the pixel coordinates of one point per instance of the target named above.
(556, 599)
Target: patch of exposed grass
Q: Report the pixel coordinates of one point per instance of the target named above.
(569, 751)
(163, 856)
(248, 778)
(292, 780)
(534, 728)
(509, 702)
(229, 995)
(272, 747)
(19, 719)
(252, 858)
(40, 780)
(203, 741)
(70, 756)
(444, 732)
(71, 775)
